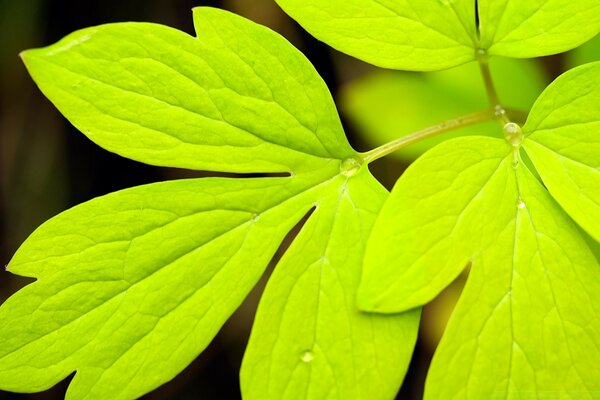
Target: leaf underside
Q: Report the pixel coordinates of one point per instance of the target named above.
(132, 286)
(437, 34)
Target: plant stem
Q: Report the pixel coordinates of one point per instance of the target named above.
(445, 126)
(487, 78)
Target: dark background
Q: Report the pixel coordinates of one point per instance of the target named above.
(46, 166)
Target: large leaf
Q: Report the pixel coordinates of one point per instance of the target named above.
(307, 322)
(528, 320)
(238, 98)
(401, 34)
(564, 143)
(387, 104)
(534, 28)
(132, 286)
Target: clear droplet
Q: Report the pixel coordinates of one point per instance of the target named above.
(513, 134)
(350, 167)
(307, 356)
(515, 164)
(521, 205)
(499, 111)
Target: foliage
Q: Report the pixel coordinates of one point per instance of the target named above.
(132, 286)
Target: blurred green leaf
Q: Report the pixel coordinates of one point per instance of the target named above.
(583, 54)
(387, 105)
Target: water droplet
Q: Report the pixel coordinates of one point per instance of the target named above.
(349, 167)
(513, 134)
(307, 356)
(515, 164)
(481, 52)
(521, 205)
(499, 111)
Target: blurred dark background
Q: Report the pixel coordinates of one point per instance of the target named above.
(46, 166)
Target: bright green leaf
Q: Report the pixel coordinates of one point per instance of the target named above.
(528, 322)
(307, 323)
(448, 204)
(534, 28)
(386, 105)
(564, 143)
(420, 35)
(131, 287)
(238, 98)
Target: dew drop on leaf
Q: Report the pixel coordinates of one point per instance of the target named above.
(513, 134)
(307, 356)
(349, 167)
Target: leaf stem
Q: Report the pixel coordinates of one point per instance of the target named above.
(484, 67)
(490, 88)
(445, 126)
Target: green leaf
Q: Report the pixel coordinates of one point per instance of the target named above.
(536, 28)
(400, 34)
(564, 143)
(131, 287)
(587, 52)
(528, 321)
(238, 98)
(307, 322)
(385, 105)
(448, 204)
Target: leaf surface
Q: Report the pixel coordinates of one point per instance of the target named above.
(131, 287)
(307, 323)
(400, 34)
(564, 143)
(535, 28)
(447, 205)
(238, 98)
(528, 320)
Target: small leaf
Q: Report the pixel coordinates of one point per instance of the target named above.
(536, 28)
(528, 321)
(564, 143)
(420, 35)
(309, 341)
(447, 205)
(385, 105)
(239, 98)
